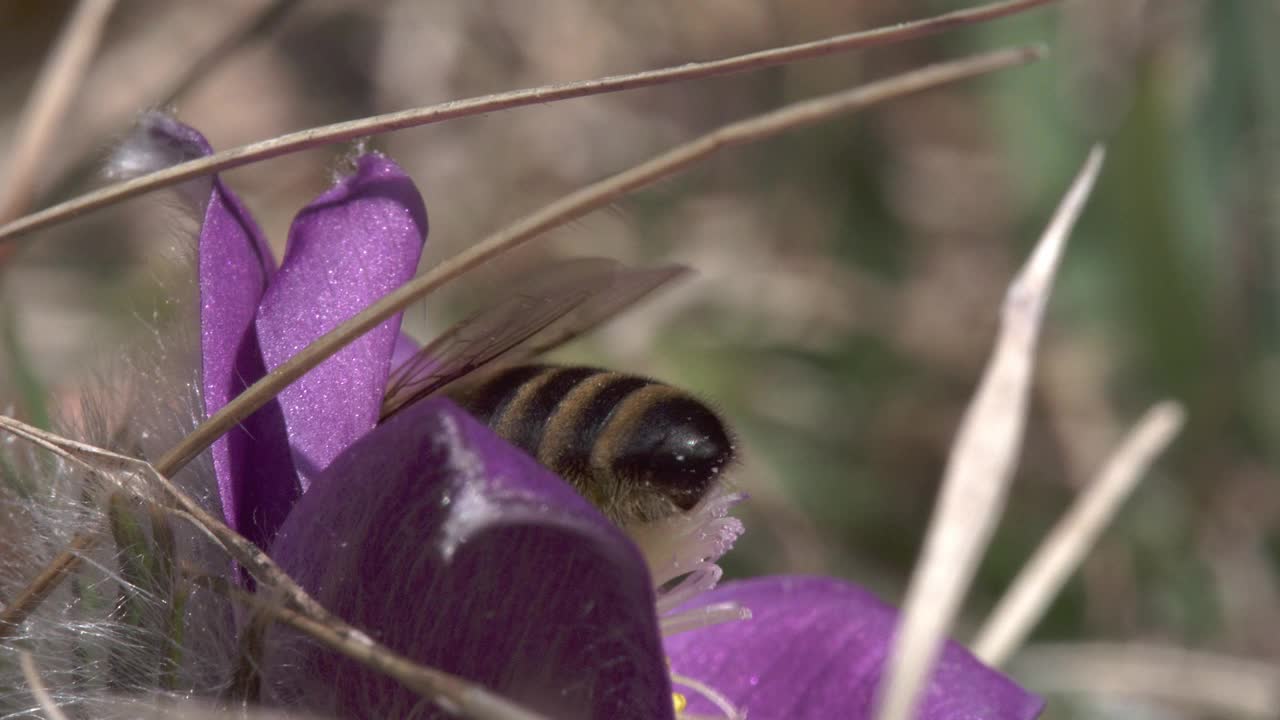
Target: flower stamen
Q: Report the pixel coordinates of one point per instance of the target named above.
(690, 542)
(721, 702)
(703, 617)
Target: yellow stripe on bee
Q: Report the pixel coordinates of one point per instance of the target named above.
(513, 414)
(568, 416)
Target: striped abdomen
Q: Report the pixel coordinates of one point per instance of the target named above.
(637, 448)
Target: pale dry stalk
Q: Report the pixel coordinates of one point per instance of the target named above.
(980, 467)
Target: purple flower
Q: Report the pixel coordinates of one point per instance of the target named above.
(815, 647)
(451, 546)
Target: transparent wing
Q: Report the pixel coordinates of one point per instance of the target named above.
(628, 286)
(541, 313)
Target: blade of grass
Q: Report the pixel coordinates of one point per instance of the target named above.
(61, 75)
(128, 667)
(133, 550)
(980, 467)
(344, 131)
(173, 596)
(1060, 554)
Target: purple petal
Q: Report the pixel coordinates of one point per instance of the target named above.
(816, 647)
(349, 247)
(406, 347)
(450, 546)
(235, 266)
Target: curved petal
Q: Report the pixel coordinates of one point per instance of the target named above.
(815, 648)
(352, 245)
(234, 268)
(405, 348)
(450, 546)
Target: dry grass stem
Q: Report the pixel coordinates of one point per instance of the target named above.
(341, 132)
(61, 75)
(980, 466)
(38, 689)
(1067, 544)
(1215, 685)
(302, 611)
(16, 612)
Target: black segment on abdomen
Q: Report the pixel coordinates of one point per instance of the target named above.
(592, 416)
(680, 446)
(488, 399)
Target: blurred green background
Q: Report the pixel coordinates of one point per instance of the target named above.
(849, 275)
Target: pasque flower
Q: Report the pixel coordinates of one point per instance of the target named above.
(451, 546)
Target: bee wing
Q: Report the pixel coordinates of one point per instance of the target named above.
(628, 287)
(540, 314)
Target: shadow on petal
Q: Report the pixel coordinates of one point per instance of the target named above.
(452, 547)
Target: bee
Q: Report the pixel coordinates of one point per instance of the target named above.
(640, 450)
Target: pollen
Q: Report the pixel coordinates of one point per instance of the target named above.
(726, 709)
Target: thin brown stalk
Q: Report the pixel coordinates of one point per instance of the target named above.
(38, 690)
(1215, 685)
(1061, 552)
(980, 467)
(344, 131)
(16, 612)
